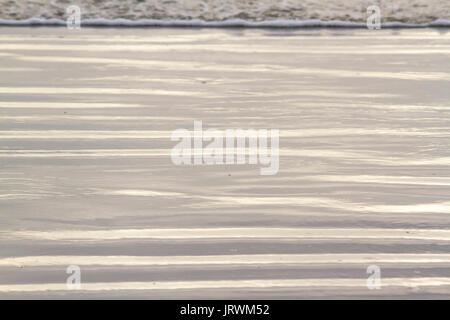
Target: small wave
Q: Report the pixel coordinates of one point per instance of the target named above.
(226, 23)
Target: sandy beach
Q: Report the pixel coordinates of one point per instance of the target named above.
(86, 118)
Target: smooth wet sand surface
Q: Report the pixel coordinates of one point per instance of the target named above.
(87, 179)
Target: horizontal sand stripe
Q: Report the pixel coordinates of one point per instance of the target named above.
(230, 47)
(85, 153)
(98, 273)
(12, 69)
(353, 156)
(155, 38)
(166, 152)
(309, 104)
(139, 39)
(239, 233)
(85, 134)
(219, 284)
(248, 201)
(253, 259)
(91, 118)
(342, 73)
(118, 91)
(274, 69)
(372, 105)
(372, 179)
(236, 201)
(205, 94)
(177, 247)
(427, 181)
(65, 105)
(147, 134)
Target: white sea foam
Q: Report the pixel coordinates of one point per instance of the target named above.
(228, 13)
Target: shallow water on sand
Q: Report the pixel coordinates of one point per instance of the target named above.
(87, 179)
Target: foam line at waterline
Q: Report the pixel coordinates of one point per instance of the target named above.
(227, 23)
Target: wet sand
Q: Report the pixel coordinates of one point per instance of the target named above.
(87, 179)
